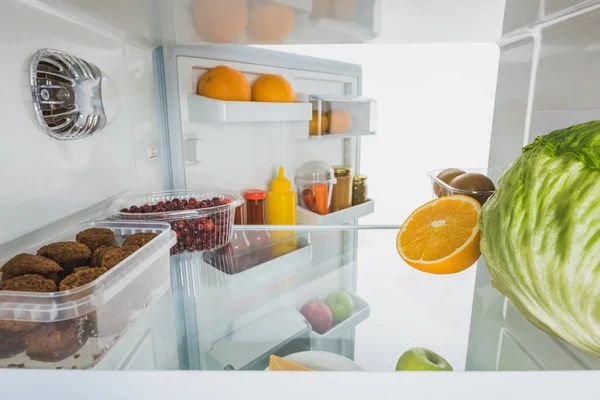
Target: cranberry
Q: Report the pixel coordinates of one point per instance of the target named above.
(216, 201)
(160, 210)
(191, 248)
(204, 204)
(180, 224)
(217, 227)
(167, 203)
(180, 207)
(172, 207)
(190, 207)
(160, 204)
(209, 225)
(134, 209)
(200, 226)
(125, 210)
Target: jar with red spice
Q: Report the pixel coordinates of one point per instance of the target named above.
(259, 240)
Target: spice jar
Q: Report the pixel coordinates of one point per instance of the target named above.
(255, 207)
(360, 193)
(259, 240)
(342, 191)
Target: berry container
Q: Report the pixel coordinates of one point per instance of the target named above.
(74, 329)
(202, 219)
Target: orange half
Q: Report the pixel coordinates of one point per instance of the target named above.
(441, 236)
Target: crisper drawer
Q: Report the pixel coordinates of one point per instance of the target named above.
(71, 317)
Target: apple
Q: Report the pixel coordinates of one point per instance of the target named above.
(421, 359)
(341, 305)
(318, 315)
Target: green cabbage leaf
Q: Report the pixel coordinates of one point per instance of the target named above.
(540, 234)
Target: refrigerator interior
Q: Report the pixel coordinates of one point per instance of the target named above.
(160, 137)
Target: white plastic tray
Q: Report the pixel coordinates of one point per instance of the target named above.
(305, 217)
(203, 109)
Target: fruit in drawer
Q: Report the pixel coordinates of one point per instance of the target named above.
(476, 183)
(318, 315)
(340, 121)
(221, 21)
(421, 359)
(442, 236)
(446, 176)
(270, 22)
(225, 83)
(341, 306)
(273, 89)
(315, 127)
(342, 9)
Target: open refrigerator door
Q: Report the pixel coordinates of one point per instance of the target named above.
(165, 136)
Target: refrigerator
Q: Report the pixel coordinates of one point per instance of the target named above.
(130, 76)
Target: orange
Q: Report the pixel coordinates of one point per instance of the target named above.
(315, 128)
(273, 89)
(342, 9)
(270, 22)
(225, 83)
(441, 236)
(220, 21)
(280, 364)
(340, 121)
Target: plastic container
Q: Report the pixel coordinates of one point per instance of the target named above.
(314, 182)
(341, 197)
(440, 188)
(75, 328)
(281, 210)
(198, 229)
(360, 190)
(348, 116)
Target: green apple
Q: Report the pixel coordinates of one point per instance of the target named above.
(341, 306)
(420, 359)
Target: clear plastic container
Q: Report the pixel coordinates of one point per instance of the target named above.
(441, 188)
(74, 329)
(314, 182)
(199, 226)
(348, 116)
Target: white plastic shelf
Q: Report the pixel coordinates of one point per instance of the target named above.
(203, 109)
(305, 217)
(337, 136)
(361, 312)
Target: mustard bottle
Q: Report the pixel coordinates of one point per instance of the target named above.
(281, 210)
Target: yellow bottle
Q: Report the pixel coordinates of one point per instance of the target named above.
(281, 210)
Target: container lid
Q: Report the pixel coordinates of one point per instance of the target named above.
(281, 184)
(315, 172)
(255, 194)
(342, 170)
(360, 178)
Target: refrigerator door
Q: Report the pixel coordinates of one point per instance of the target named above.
(544, 83)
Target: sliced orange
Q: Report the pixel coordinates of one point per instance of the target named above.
(441, 236)
(281, 364)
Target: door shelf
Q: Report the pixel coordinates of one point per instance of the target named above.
(361, 312)
(305, 217)
(338, 136)
(203, 109)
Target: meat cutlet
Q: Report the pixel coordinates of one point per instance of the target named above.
(99, 253)
(81, 278)
(55, 341)
(139, 239)
(27, 264)
(11, 343)
(68, 255)
(29, 283)
(25, 283)
(96, 237)
(114, 256)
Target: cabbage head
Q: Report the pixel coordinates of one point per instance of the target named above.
(540, 234)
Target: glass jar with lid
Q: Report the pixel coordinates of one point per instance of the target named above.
(360, 192)
(342, 191)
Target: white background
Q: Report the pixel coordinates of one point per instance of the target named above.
(435, 110)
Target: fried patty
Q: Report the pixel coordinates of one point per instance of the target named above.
(68, 255)
(114, 256)
(27, 264)
(81, 277)
(55, 341)
(29, 283)
(99, 253)
(11, 344)
(139, 239)
(96, 237)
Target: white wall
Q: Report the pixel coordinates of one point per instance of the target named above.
(435, 105)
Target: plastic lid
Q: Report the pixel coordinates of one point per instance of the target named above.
(315, 172)
(255, 194)
(280, 184)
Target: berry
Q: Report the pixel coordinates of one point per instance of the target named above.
(209, 225)
(134, 210)
(125, 210)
